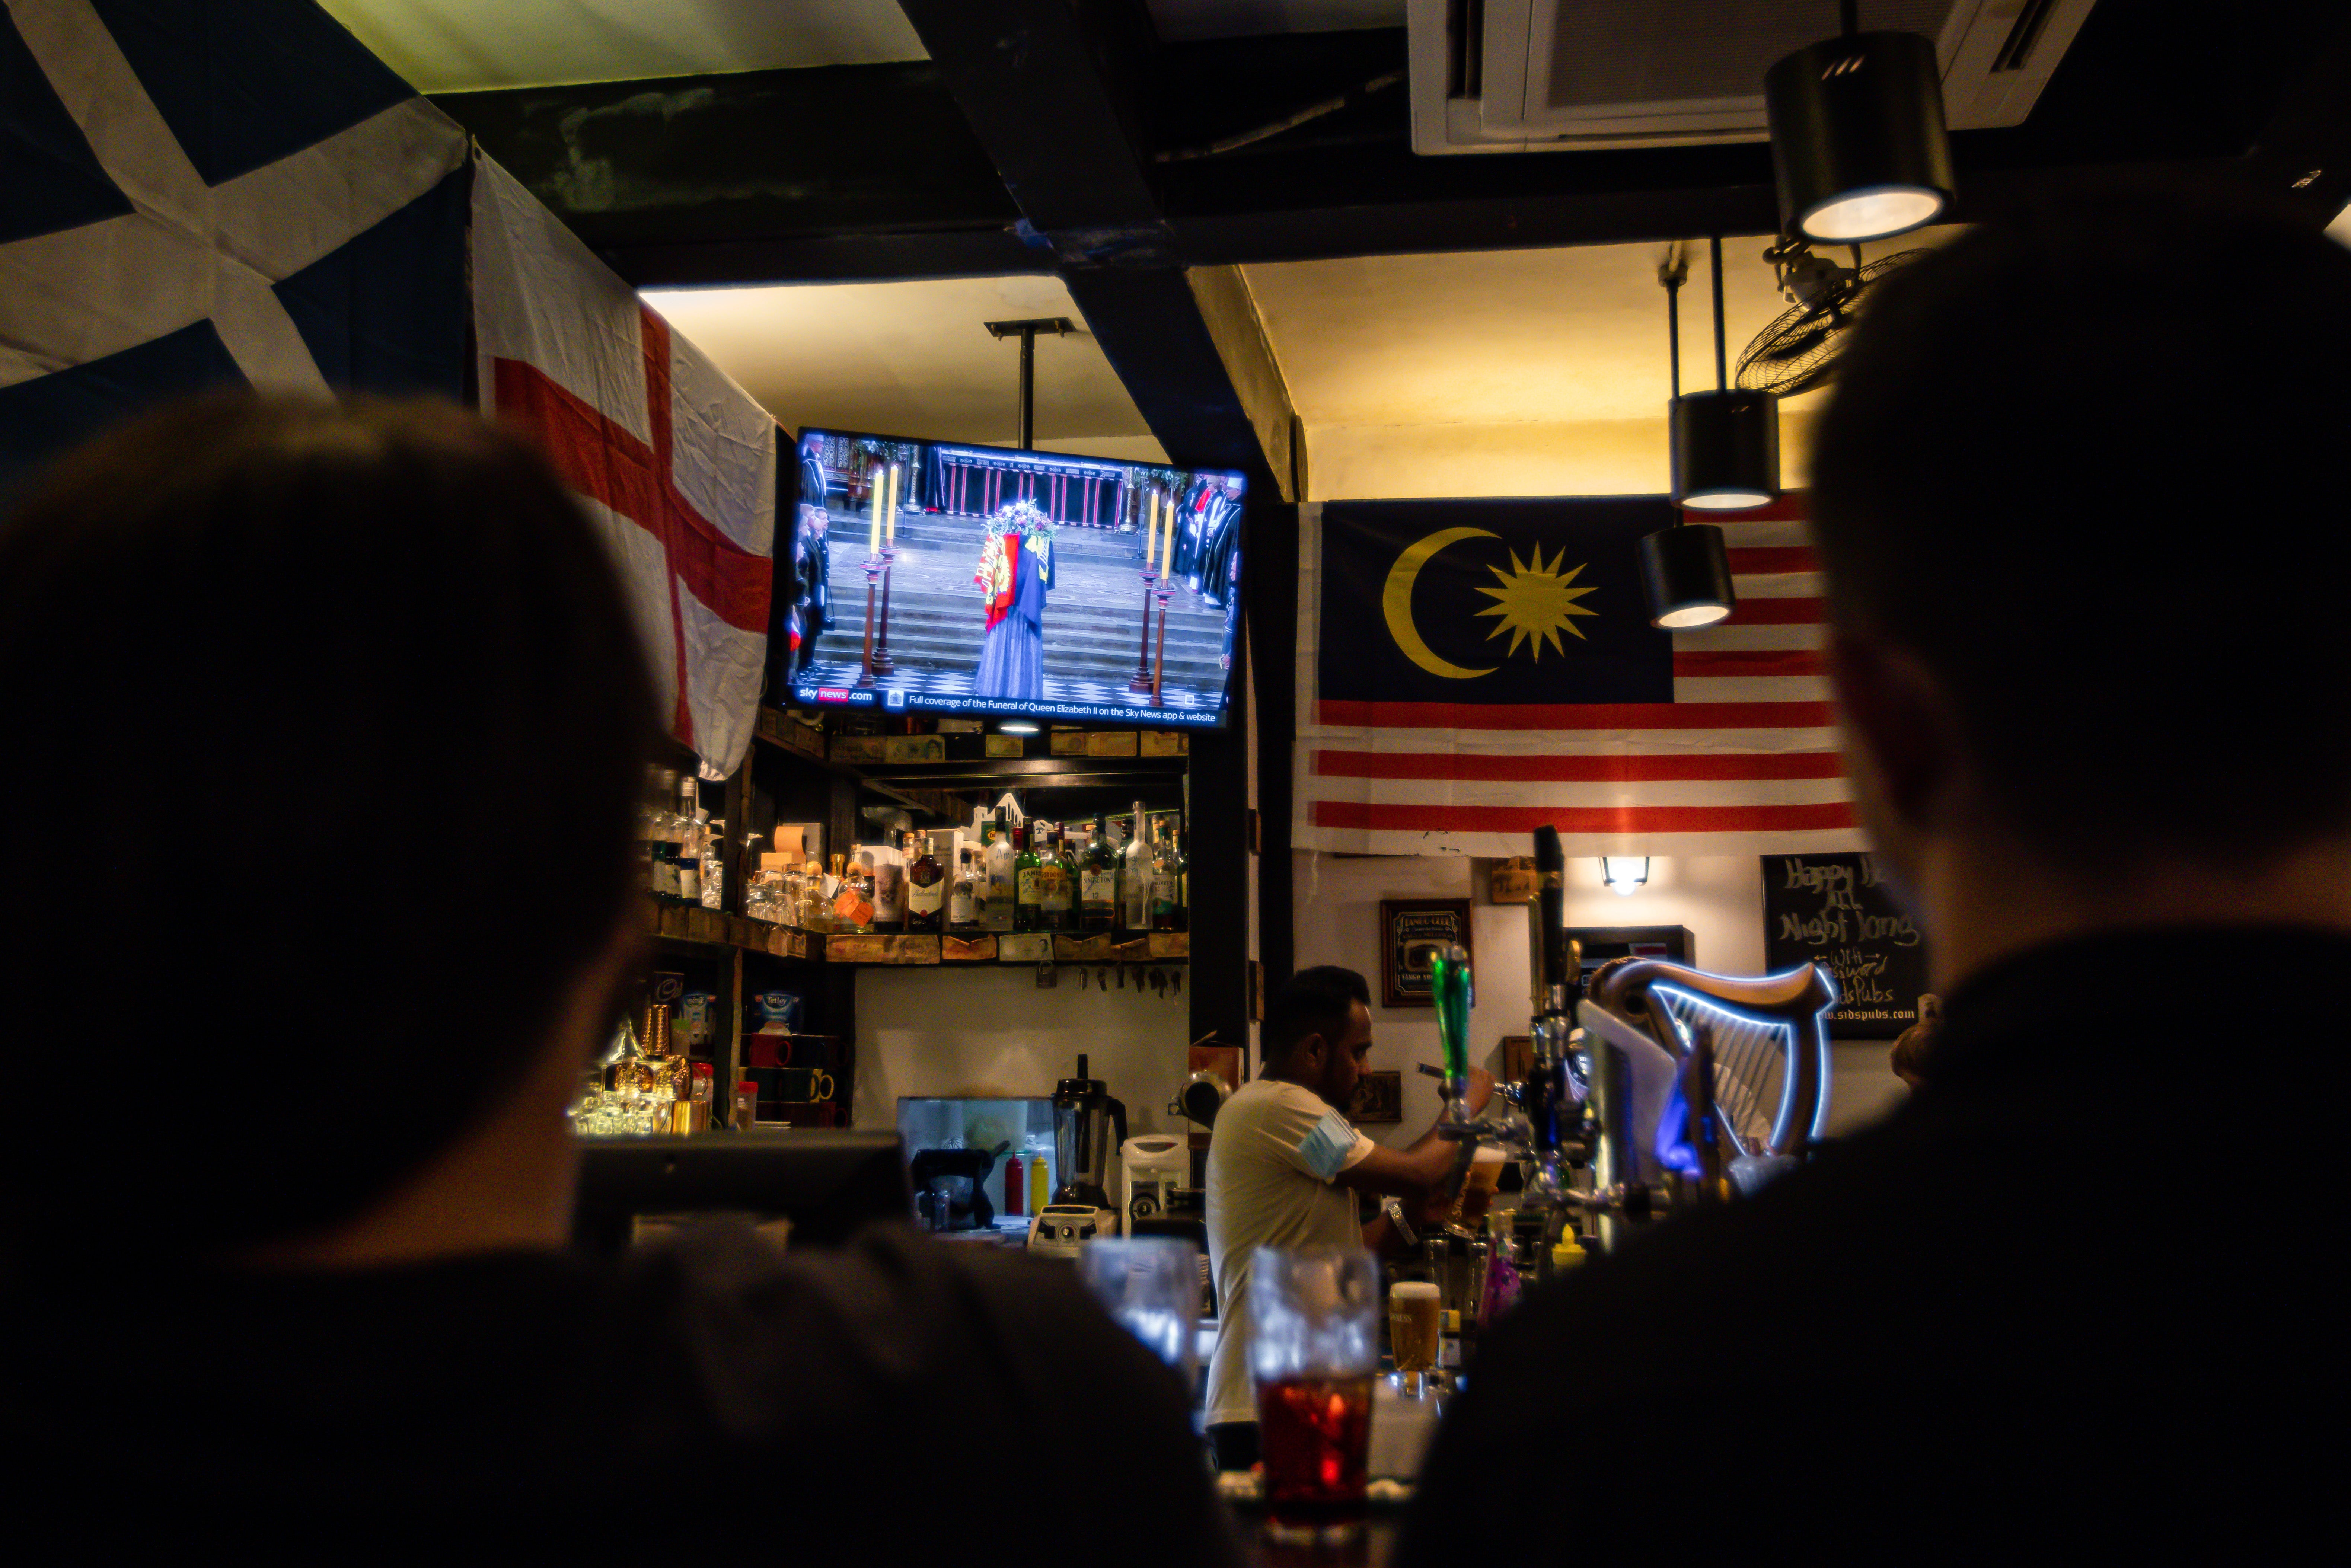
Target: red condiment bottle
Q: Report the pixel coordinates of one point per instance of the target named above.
(1013, 1188)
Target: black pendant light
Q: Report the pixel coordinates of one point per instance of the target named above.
(1726, 443)
(1858, 142)
(1685, 573)
(1726, 456)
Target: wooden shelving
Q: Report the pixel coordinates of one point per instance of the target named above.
(1020, 947)
(1036, 770)
(776, 731)
(712, 928)
(718, 932)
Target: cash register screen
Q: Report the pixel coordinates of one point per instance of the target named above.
(828, 1183)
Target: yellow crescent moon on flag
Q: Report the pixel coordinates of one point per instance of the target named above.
(1395, 600)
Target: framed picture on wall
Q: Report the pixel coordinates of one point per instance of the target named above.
(1379, 1097)
(1412, 932)
(1518, 1057)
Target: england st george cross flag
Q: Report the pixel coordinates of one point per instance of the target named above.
(1468, 671)
(673, 461)
(198, 192)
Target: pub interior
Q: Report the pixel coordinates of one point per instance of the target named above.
(1128, 502)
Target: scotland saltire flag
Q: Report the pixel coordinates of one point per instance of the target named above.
(195, 193)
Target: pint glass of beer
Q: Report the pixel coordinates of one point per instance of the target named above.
(1415, 1321)
(1478, 1188)
(1314, 1353)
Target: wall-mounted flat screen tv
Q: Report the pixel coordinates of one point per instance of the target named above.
(1026, 584)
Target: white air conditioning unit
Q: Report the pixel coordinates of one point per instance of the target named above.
(1534, 76)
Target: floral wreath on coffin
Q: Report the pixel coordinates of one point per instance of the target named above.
(1020, 517)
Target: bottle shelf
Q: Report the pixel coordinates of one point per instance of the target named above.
(687, 925)
(1008, 947)
(795, 740)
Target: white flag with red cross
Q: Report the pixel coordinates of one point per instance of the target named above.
(673, 460)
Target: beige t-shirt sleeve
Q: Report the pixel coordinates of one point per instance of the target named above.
(1313, 1138)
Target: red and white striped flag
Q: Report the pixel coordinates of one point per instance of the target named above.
(1423, 729)
(673, 460)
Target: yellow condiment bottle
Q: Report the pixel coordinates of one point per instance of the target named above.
(1040, 1183)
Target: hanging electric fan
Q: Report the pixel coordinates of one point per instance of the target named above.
(1796, 352)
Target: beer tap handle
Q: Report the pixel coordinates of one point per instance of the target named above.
(1551, 917)
(1449, 983)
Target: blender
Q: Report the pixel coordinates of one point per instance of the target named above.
(1087, 1125)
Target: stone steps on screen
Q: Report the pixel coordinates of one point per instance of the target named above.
(1092, 617)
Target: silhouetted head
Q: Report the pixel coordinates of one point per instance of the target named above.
(325, 727)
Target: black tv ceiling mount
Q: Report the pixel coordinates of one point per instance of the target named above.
(1060, 327)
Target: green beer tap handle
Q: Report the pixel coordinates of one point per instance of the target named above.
(1449, 980)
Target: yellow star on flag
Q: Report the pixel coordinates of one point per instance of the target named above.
(1537, 603)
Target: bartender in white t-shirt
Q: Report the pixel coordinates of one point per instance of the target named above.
(1285, 1167)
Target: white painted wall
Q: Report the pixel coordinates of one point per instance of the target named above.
(1718, 897)
(990, 1030)
(1544, 457)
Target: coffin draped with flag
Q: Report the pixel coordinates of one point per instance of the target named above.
(225, 192)
(1468, 671)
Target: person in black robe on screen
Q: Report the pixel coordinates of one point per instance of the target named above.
(809, 614)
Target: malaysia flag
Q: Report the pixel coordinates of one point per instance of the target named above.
(1470, 671)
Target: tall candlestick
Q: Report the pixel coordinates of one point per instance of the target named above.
(892, 536)
(873, 540)
(1150, 531)
(1151, 558)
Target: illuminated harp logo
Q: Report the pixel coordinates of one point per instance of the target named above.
(1735, 1072)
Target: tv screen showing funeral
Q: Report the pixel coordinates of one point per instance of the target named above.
(931, 577)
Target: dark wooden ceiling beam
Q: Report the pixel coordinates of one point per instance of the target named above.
(845, 172)
(856, 172)
(1059, 94)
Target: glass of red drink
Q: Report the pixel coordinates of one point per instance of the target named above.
(1314, 1345)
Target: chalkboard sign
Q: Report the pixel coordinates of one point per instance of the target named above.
(1834, 910)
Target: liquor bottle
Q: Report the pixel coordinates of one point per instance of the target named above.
(967, 905)
(752, 891)
(1057, 884)
(691, 850)
(1134, 877)
(686, 839)
(861, 879)
(660, 830)
(1170, 895)
(791, 897)
(1028, 912)
(1000, 862)
(714, 864)
(1097, 884)
(926, 886)
(852, 902)
(889, 889)
(816, 904)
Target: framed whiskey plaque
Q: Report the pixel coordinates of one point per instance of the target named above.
(1412, 932)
